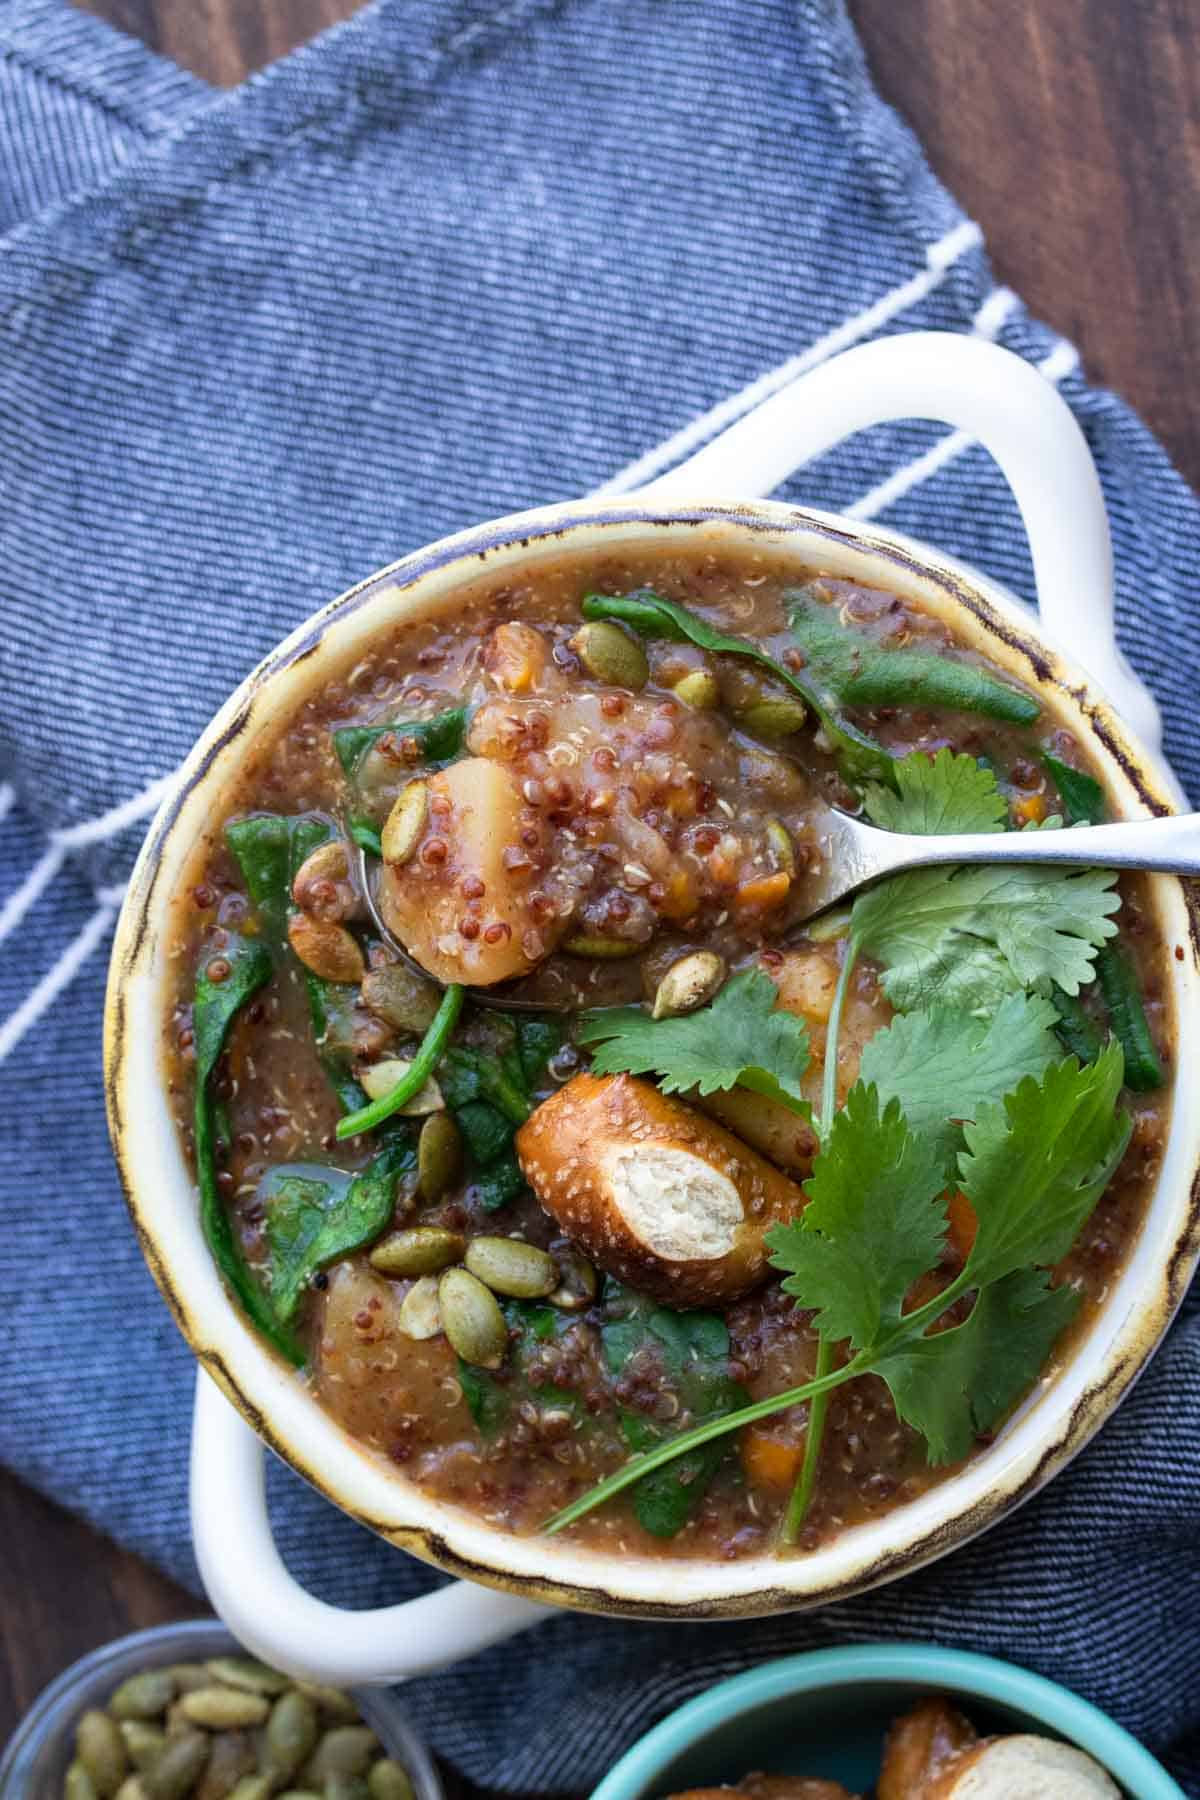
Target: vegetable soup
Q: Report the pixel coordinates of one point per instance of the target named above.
(583, 1176)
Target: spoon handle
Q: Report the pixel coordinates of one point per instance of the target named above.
(1170, 845)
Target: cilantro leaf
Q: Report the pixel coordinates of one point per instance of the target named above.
(875, 1220)
(1035, 1167)
(943, 1065)
(741, 1039)
(967, 936)
(939, 795)
(952, 1385)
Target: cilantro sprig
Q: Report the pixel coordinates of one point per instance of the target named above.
(741, 1039)
(964, 1087)
(1032, 1170)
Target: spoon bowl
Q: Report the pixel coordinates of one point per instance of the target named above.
(854, 854)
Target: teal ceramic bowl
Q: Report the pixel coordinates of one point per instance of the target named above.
(825, 1713)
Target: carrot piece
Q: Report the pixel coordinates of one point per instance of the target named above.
(765, 892)
(963, 1224)
(1031, 810)
(769, 1462)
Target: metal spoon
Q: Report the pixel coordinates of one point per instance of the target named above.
(854, 854)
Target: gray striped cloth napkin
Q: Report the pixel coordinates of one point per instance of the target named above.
(452, 260)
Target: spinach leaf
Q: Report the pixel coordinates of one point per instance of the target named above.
(1082, 796)
(859, 757)
(500, 1183)
(852, 669)
(438, 740)
(366, 836)
(315, 1217)
(488, 1401)
(269, 849)
(486, 1132)
(537, 1040)
(694, 1350)
(490, 1093)
(331, 1009)
(214, 1009)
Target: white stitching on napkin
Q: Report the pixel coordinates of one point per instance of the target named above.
(74, 837)
(61, 973)
(939, 259)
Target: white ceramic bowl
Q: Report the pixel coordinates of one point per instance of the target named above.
(1032, 434)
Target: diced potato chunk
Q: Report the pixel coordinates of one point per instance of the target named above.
(456, 905)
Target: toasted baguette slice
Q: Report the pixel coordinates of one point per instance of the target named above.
(1024, 1767)
(656, 1194)
(919, 1745)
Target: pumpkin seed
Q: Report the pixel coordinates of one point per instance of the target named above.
(510, 1266)
(405, 823)
(420, 1316)
(132, 1788)
(472, 1320)
(439, 1156)
(782, 849)
(577, 1283)
(325, 868)
(344, 1750)
(331, 1700)
(381, 1077)
(187, 1676)
(100, 1747)
(143, 1742)
(610, 654)
(224, 1708)
(699, 689)
(773, 719)
(254, 1787)
(326, 948)
(345, 1787)
(423, 1250)
(175, 1721)
(386, 1780)
(600, 949)
(143, 1696)
(244, 1671)
(688, 983)
(233, 1755)
(291, 1734)
(78, 1784)
(180, 1766)
(400, 998)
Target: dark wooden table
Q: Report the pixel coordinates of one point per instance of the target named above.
(1071, 131)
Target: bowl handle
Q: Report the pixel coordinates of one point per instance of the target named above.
(1014, 412)
(269, 1612)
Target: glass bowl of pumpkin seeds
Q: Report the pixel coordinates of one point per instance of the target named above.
(180, 1712)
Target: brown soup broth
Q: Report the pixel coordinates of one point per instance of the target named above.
(698, 790)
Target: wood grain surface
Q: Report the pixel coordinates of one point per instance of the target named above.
(1071, 131)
